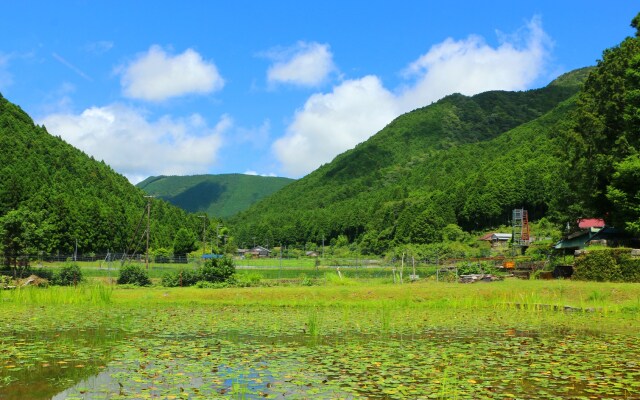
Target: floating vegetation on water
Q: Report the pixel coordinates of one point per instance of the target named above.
(340, 343)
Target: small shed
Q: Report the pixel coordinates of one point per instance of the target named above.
(501, 237)
(496, 238)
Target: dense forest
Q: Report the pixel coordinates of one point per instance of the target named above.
(565, 151)
(460, 165)
(220, 196)
(52, 195)
(464, 161)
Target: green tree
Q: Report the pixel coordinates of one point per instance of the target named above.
(427, 226)
(624, 194)
(218, 270)
(607, 129)
(184, 242)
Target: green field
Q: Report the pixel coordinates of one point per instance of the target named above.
(341, 339)
(264, 270)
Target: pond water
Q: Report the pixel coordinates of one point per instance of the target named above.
(244, 358)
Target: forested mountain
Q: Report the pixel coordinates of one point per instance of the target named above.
(462, 160)
(571, 149)
(605, 152)
(52, 194)
(220, 196)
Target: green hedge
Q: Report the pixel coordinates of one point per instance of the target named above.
(607, 265)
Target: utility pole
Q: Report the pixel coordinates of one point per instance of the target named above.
(148, 228)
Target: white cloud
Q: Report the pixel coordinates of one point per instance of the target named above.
(471, 66)
(305, 64)
(138, 148)
(329, 124)
(157, 76)
(332, 123)
(254, 173)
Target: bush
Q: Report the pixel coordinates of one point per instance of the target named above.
(607, 265)
(70, 274)
(217, 270)
(133, 275)
(251, 279)
(468, 268)
(182, 277)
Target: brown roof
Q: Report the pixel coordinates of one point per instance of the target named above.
(486, 237)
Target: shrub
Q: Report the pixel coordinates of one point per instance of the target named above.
(68, 275)
(182, 277)
(468, 268)
(217, 270)
(248, 279)
(607, 265)
(133, 275)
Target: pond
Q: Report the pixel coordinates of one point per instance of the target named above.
(203, 352)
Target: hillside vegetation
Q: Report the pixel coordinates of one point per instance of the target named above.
(432, 176)
(463, 161)
(52, 195)
(220, 196)
(569, 150)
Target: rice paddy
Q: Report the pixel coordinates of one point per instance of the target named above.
(365, 339)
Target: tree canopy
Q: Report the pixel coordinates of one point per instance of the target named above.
(52, 195)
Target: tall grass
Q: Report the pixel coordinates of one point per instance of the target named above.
(91, 294)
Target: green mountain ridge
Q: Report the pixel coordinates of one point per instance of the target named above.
(220, 196)
(52, 195)
(462, 160)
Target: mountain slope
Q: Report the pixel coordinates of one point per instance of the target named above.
(52, 194)
(221, 196)
(462, 160)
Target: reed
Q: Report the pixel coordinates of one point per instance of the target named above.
(87, 293)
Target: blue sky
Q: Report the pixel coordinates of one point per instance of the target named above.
(274, 87)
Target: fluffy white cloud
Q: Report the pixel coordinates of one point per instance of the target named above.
(138, 148)
(157, 76)
(471, 66)
(305, 64)
(331, 123)
(254, 173)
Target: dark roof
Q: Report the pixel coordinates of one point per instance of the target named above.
(581, 239)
